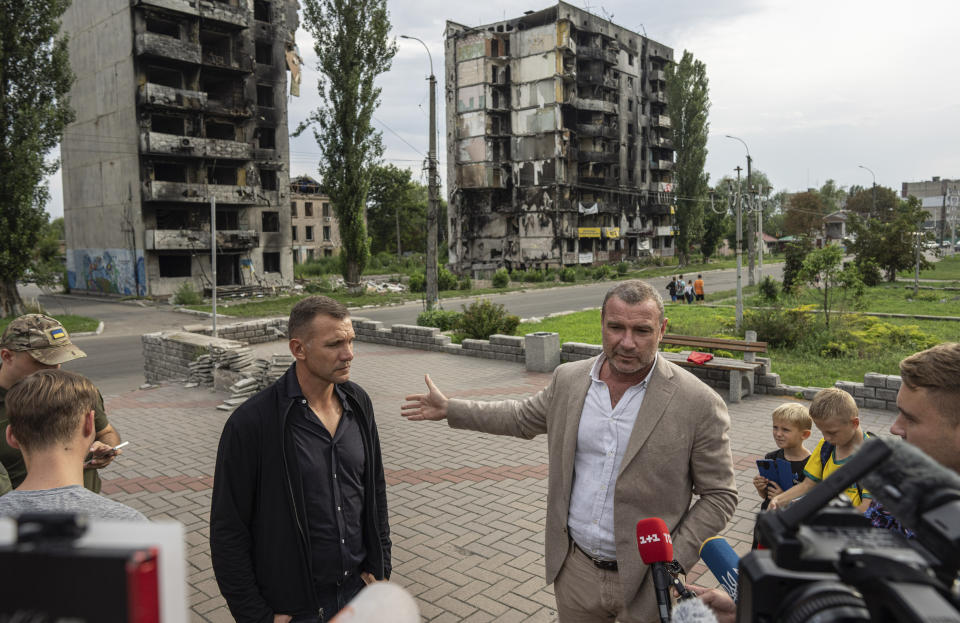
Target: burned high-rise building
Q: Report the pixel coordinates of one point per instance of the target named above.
(558, 143)
(180, 104)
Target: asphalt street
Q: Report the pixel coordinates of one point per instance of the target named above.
(115, 357)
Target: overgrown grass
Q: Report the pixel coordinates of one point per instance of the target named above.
(894, 298)
(947, 268)
(73, 324)
(793, 366)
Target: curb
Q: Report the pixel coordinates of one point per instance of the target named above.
(89, 333)
(194, 312)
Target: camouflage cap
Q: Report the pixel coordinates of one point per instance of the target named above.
(43, 337)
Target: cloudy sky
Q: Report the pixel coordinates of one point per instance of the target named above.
(815, 88)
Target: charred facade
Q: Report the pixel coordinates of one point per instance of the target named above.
(558, 143)
(179, 103)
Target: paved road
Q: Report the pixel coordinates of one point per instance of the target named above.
(533, 303)
(115, 357)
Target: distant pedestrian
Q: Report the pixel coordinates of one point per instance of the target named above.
(672, 289)
(698, 288)
(688, 292)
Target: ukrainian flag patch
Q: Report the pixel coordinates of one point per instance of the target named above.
(57, 334)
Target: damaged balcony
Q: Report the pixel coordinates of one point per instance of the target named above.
(162, 46)
(661, 121)
(215, 11)
(590, 155)
(596, 105)
(172, 144)
(154, 190)
(661, 165)
(150, 94)
(187, 7)
(199, 239)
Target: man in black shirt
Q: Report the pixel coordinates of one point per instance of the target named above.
(298, 523)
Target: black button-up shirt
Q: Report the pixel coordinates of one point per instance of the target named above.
(332, 481)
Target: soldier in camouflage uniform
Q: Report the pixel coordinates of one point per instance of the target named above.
(36, 342)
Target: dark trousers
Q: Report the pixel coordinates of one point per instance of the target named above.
(332, 599)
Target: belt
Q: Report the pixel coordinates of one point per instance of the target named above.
(606, 565)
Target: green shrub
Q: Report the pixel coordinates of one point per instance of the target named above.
(535, 276)
(485, 318)
(551, 274)
(779, 327)
(186, 295)
(441, 318)
(418, 282)
(465, 284)
(603, 271)
(769, 289)
(319, 286)
(568, 275)
(719, 352)
(446, 280)
(501, 278)
(623, 268)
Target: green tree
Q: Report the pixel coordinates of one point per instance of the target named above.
(688, 103)
(834, 197)
(353, 48)
(393, 205)
(861, 203)
(795, 254)
(804, 213)
(47, 266)
(889, 241)
(823, 269)
(35, 78)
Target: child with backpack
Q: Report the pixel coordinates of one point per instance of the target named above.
(835, 414)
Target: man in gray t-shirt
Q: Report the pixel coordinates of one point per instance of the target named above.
(70, 499)
(51, 421)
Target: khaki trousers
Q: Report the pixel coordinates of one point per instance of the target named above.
(586, 594)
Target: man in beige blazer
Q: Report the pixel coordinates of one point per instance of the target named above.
(627, 421)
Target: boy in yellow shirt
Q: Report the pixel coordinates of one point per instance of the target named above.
(835, 414)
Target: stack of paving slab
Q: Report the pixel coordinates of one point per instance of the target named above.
(257, 374)
(238, 359)
(239, 392)
(201, 371)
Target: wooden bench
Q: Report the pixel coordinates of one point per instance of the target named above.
(740, 372)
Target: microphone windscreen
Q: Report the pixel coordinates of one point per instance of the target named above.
(653, 541)
(380, 601)
(692, 611)
(907, 481)
(723, 562)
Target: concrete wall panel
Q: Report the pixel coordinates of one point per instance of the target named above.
(534, 68)
(109, 271)
(470, 72)
(471, 124)
(471, 46)
(536, 120)
(471, 98)
(537, 40)
(473, 150)
(537, 94)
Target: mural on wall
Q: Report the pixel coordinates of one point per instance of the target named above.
(113, 271)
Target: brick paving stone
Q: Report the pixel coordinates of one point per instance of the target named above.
(467, 509)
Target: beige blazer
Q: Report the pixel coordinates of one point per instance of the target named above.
(679, 447)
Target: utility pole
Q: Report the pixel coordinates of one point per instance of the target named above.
(916, 271)
(433, 190)
(873, 209)
(750, 245)
(760, 244)
(739, 251)
(213, 258)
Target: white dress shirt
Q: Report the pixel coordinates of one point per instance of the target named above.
(601, 441)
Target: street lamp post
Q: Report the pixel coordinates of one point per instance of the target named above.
(752, 277)
(433, 189)
(873, 208)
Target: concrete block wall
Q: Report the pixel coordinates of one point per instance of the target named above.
(167, 354)
(502, 347)
(878, 391)
(249, 332)
(576, 351)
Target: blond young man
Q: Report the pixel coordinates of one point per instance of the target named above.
(51, 414)
(835, 414)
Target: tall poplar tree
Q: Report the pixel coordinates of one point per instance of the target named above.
(35, 77)
(688, 103)
(352, 46)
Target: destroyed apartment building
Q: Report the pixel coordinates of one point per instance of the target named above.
(180, 113)
(558, 143)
